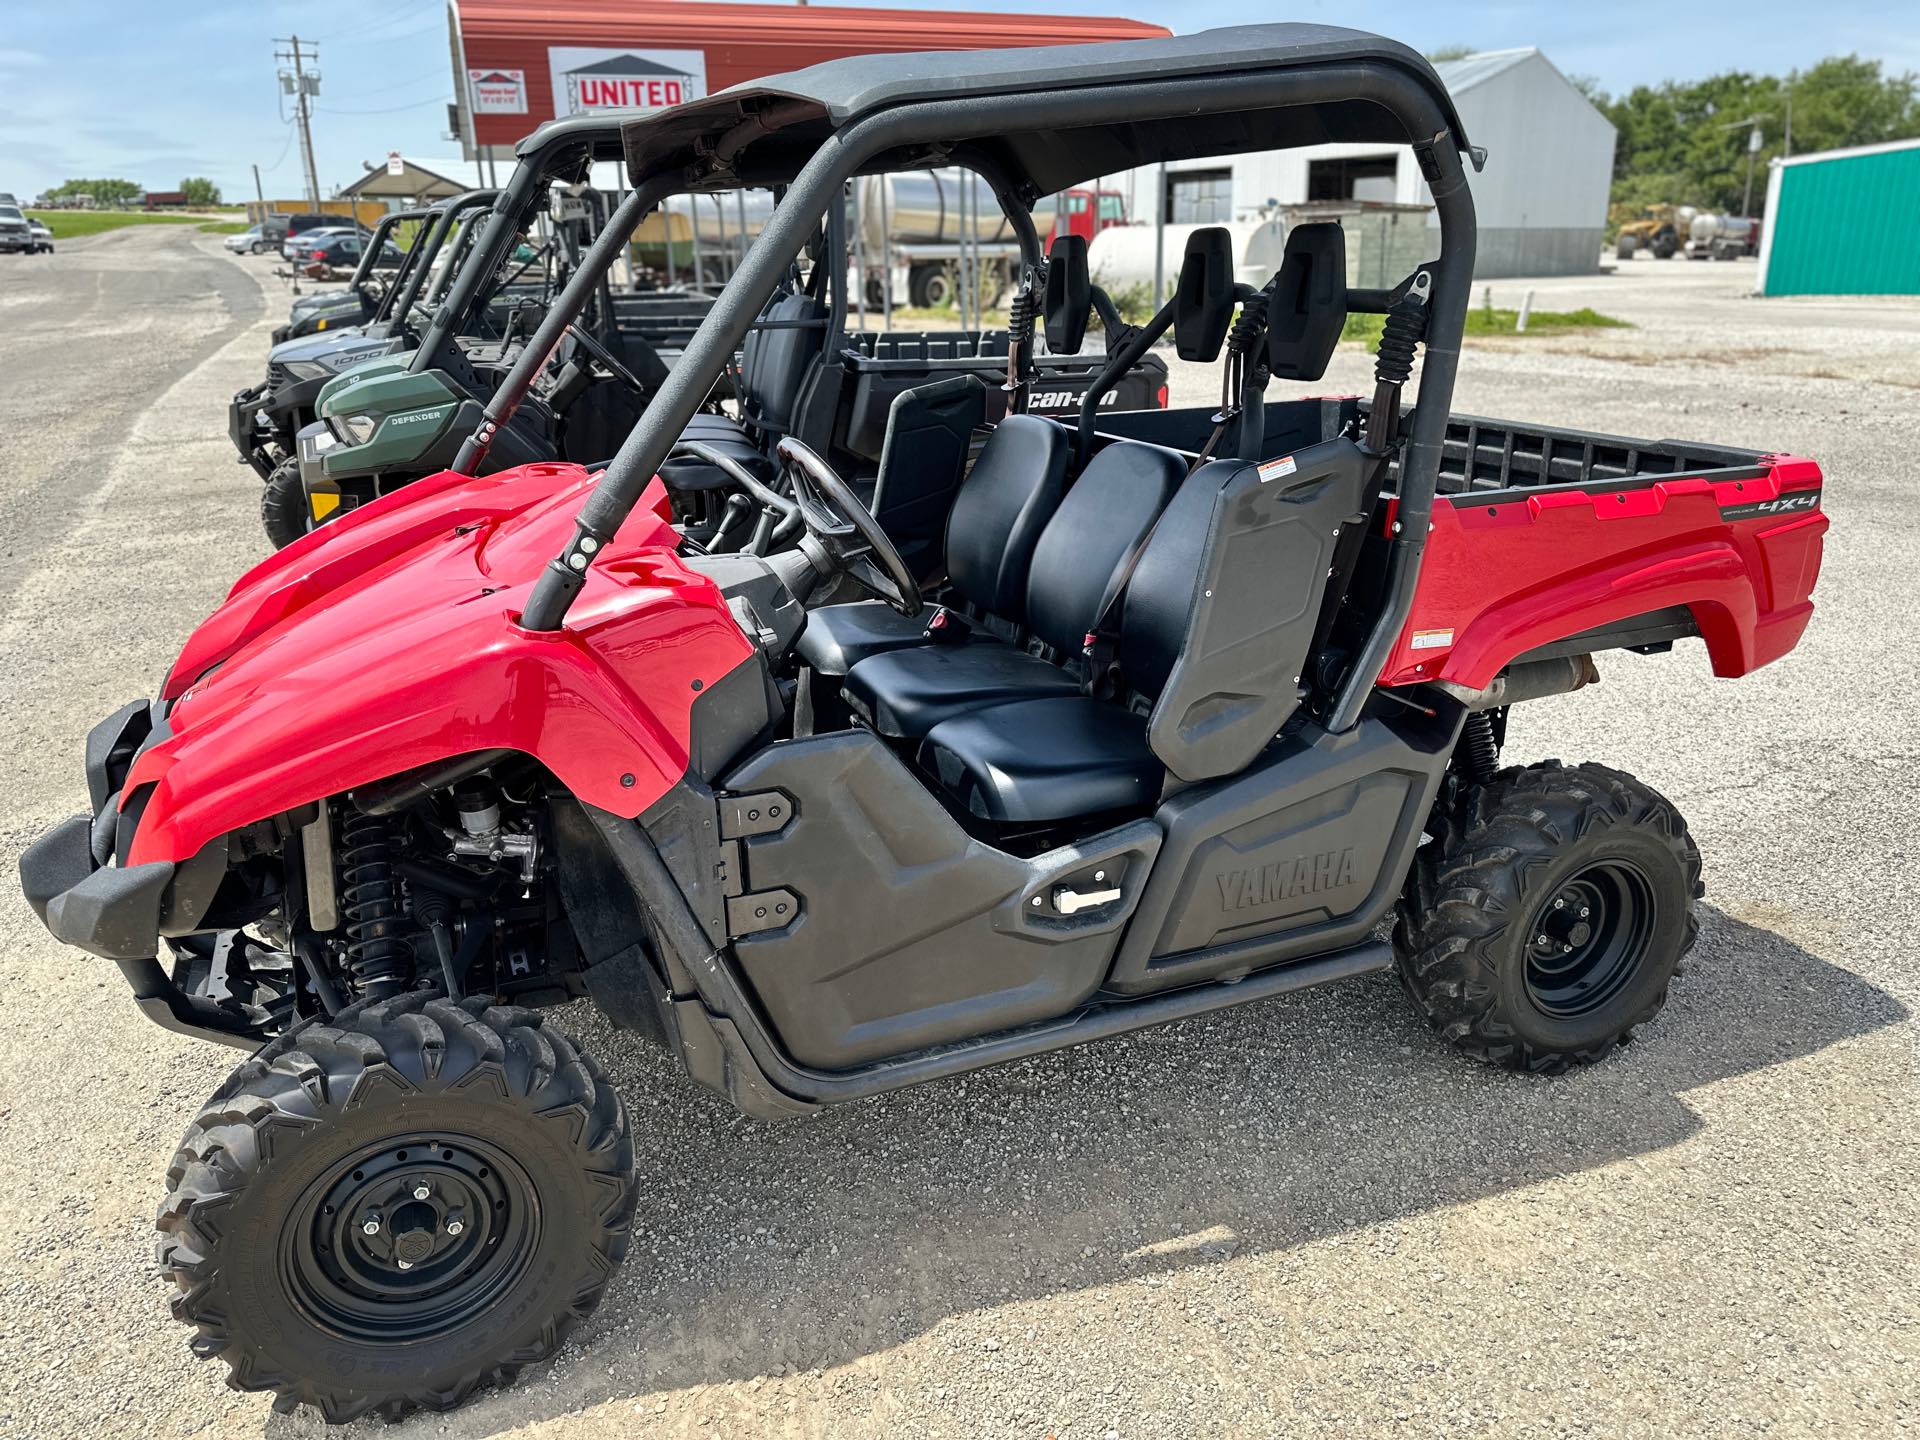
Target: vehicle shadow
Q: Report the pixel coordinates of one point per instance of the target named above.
(781, 1248)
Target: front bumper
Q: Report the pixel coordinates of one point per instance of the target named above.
(76, 879)
(250, 435)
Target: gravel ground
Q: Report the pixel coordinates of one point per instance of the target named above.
(1304, 1217)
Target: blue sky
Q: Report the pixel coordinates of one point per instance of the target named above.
(106, 87)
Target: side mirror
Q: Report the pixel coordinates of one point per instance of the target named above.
(1069, 294)
(1203, 305)
(1308, 308)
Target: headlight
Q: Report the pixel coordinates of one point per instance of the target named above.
(307, 369)
(353, 429)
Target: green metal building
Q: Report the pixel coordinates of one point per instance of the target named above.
(1843, 222)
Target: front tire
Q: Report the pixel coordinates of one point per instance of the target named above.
(1544, 923)
(387, 1211)
(283, 505)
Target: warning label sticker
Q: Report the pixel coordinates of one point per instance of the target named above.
(1432, 639)
(1277, 469)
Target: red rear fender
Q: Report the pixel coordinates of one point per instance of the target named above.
(1501, 579)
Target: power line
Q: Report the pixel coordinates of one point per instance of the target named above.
(283, 150)
(373, 29)
(389, 110)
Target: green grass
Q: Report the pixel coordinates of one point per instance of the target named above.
(226, 227)
(68, 224)
(1486, 321)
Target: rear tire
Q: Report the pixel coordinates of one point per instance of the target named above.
(283, 505)
(307, 1257)
(1544, 923)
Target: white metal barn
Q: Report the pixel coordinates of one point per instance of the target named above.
(1542, 200)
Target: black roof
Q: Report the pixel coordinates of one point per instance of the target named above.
(602, 129)
(841, 91)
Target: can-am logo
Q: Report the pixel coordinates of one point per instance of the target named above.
(586, 79)
(497, 92)
(1066, 399)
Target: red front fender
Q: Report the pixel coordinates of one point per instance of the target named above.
(418, 656)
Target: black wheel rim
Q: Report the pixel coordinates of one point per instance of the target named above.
(1589, 939)
(411, 1238)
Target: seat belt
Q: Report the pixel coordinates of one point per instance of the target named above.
(1102, 644)
(1248, 330)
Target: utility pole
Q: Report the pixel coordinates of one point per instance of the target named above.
(303, 87)
(1754, 141)
(259, 193)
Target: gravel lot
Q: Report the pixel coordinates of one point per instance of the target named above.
(1304, 1217)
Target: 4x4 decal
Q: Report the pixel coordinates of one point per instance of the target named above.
(1789, 502)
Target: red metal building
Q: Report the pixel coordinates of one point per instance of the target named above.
(518, 63)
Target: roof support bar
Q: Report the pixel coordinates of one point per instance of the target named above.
(566, 308)
(818, 183)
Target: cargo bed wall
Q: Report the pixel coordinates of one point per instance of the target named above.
(1480, 454)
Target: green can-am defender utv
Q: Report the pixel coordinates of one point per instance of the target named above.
(1205, 700)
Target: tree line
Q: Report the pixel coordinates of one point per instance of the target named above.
(1686, 142)
(117, 194)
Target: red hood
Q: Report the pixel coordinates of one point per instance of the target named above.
(526, 515)
(390, 640)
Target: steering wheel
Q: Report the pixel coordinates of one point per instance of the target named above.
(846, 531)
(606, 359)
(769, 498)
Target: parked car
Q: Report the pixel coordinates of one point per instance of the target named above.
(276, 228)
(295, 244)
(251, 241)
(42, 235)
(16, 236)
(340, 252)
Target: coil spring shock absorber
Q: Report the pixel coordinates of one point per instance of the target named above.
(379, 955)
(1019, 343)
(1479, 751)
(1400, 336)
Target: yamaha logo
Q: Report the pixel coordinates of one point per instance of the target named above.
(1285, 879)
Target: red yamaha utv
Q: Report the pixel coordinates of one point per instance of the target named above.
(1192, 707)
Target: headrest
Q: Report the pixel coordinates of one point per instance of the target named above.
(1069, 294)
(1308, 307)
(1203, 305)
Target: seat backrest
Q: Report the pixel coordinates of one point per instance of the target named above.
(1220, 614)
(1114, 502)
(1002, 508)
(774, 363)
(921, 461)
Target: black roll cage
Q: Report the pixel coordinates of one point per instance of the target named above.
(379, 238)
(551, 153)
(400, 299)
(842, 154)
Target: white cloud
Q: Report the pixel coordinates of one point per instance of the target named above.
(13, 58)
